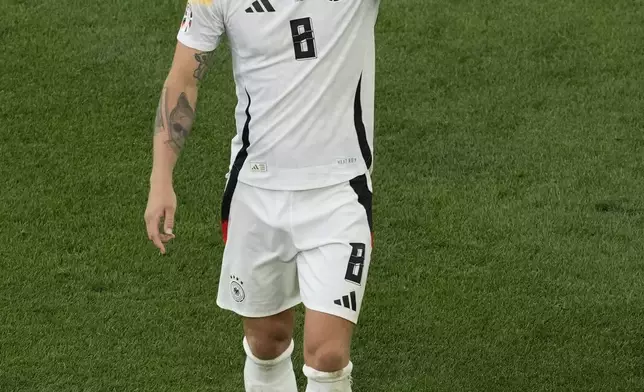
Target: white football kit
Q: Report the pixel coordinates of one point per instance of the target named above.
(296, 215)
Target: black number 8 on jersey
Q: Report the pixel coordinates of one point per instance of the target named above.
(303, 39)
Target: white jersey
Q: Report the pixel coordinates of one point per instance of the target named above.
(304, 73)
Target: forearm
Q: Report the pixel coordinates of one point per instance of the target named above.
(174, 119)
(176, 110)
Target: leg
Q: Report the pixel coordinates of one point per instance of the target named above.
(333, 264)
(259, 282)
(327, 342)
(268, 343)
(269, 337)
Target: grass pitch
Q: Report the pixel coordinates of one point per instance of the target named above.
(509, 209)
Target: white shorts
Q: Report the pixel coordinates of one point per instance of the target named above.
(289, 247)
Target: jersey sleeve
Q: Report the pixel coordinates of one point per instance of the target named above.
(202, 25)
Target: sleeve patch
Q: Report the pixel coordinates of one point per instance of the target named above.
(186, 23)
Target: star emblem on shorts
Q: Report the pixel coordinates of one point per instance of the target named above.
(236, 288)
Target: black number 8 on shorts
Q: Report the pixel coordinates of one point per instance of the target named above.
(356, 264)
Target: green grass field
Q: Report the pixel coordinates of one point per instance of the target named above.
(509, 209)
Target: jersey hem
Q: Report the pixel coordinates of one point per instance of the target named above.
(297, 183)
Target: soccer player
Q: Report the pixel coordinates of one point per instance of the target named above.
(296, 214)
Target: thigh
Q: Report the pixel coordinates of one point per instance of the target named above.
(333, 263)
(327, 341)
(258, 277)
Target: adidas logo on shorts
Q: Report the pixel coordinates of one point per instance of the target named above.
(348, 301)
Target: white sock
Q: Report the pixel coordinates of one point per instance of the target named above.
(274, 375)
(339, 381)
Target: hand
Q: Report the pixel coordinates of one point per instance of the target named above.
(162, 204)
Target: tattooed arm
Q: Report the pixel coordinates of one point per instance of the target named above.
(173, 124)
(176, 110)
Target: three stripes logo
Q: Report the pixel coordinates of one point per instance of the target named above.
(348, 301)
(257, 7)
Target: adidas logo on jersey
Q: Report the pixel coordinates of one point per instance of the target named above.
(257, 7)
(258, 167)
(348, 301)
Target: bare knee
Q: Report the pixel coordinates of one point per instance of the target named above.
(328, 357)
(267, 347)
(269, 337)
(327, 341)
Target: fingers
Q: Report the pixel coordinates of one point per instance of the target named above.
(156, 239)
(152, 225)
(168, 225)
(166, 237)
(168, 221)
(152, 222)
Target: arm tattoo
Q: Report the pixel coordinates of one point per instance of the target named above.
(205, 61)
(180, 123)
